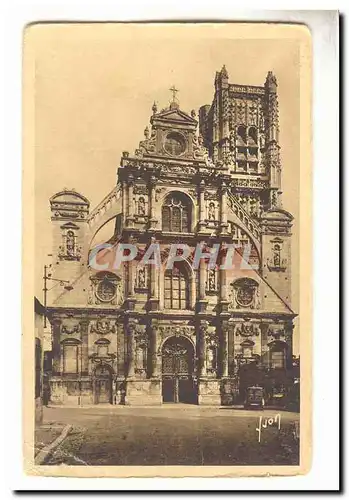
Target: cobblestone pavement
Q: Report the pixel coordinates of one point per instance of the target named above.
(174, 435)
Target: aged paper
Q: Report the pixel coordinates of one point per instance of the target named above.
(167, 195)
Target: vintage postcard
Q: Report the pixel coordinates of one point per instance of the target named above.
(167, 228)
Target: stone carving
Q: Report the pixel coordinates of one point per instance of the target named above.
(141, 206)
(178, 169)
(212, 280)
(71, 329)
(143, 190)
(276, 263)
(103, 326)
(69, 250)
(199, 150)
(141, 349)
(277, 332)
(166, 331)
(244, 293)
(247, 330)
(141, 337)
(252, 183)
(108, 291)
(209, 195)
(253, 113)
(212, 343)
(141, 281)
(149, 144)
(212, 338)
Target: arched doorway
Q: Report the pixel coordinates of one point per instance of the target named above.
(177, 371)
(103, 384)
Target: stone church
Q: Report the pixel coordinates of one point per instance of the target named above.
(143, 335)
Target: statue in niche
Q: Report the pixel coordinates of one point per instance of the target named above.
(141, 206)
(141, 278)
(276, 256)
(70, 243)
(211, 358)
(211, 211)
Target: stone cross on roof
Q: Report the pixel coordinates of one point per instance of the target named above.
(174, 92)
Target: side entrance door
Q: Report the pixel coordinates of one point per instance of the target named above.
(103, 385)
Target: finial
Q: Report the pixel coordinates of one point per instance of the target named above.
(154, 108)
(271, 80)
(193, 113)
(146, 132)
(224, 72)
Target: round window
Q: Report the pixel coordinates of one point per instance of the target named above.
(175, 144)
(106, 291)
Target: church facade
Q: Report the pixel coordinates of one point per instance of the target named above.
(144, 334)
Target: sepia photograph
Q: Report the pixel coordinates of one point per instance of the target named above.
(170, 316)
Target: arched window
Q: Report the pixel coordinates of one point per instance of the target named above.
(176, 214)
(252, 136)
(176, 288)
(241, 134)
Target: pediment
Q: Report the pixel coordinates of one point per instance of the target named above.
(175, 115)
(69, 196)
(247, 343)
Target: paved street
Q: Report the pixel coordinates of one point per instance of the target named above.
(174, 435)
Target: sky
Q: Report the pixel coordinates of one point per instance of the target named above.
(95, 85)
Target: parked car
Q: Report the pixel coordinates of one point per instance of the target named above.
(254, 397)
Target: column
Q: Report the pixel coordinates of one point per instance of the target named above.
(56, 346)
(223, 292)
(131, 271)
(224, 349)
(84, 346)
(231, 347)
(154, 285)
(224, 201)
(131, 279)
(130, 208)
(202, 286)
(152, 195)
(202, 349)
(154, 341)
(124, 201)
(202, 279)
(130, 332)
(201, 205)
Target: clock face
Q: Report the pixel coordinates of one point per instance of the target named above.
(175, 144)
